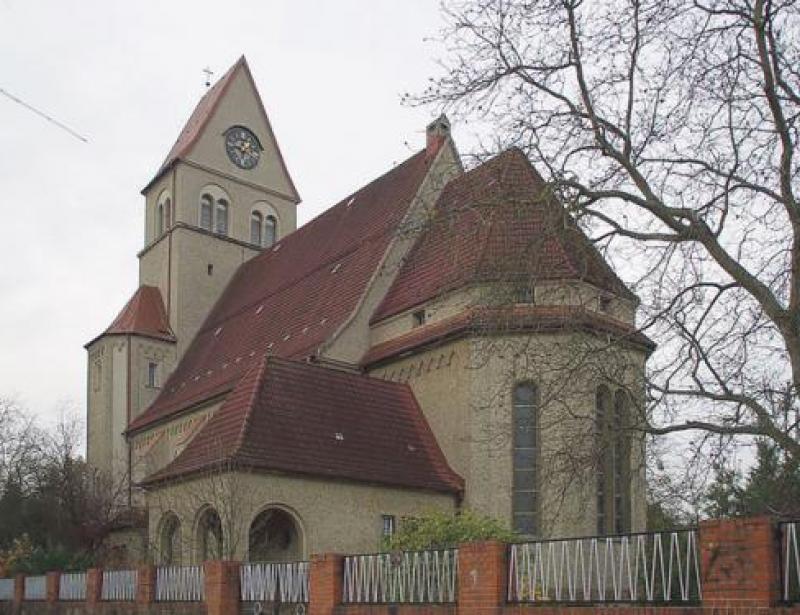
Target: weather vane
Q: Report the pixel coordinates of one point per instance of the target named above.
(208, 72)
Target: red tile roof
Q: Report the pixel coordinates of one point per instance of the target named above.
(144, 314)
(301, 418)
(290, 299)
(203, 113)
(506, 320)
(497, 221)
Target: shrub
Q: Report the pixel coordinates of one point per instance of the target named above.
(438, 530)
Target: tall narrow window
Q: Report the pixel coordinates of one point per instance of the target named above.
(525, 505)
(222, 217)
(388, 525)
(270, 231)
(613, 463)
(160, 220)
(167, 214)
(152, 375)
(256, 225)
(206, 211)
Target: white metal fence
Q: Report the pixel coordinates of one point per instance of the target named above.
(119, 585)
(790, 561)
(6, 589)
(408, 577)
(36, 588)
(654, 567)
(180, 584)
(72, 586)
(263, 582)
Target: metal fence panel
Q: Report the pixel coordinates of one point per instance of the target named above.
(659, 567)
(6, 589)
(119, 585)
(180, 584)
(790, 561)
(72, 586)
(408, 577)
(262, 582)
(36, 588)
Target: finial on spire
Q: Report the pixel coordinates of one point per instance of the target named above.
(208, 72)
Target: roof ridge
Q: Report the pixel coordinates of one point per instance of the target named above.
(260, 376)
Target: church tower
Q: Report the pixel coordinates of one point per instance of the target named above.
(222, 195)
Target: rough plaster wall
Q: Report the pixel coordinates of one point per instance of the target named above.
(334, 516)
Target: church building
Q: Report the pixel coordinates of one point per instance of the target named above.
(441, 339)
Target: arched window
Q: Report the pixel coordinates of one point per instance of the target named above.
(160, 220)
(206, 211)
(270, 231)
(275, 536)
(208, 538)
(613, 463)
(256, 224)
(221, 226)
(167, 214)
(525, 505)
(170, 540)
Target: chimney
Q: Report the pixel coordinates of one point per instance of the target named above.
(436, 134)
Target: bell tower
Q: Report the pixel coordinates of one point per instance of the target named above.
(222, 195)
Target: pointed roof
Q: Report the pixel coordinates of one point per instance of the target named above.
(145, 315)
(498, 221)
(292, 298)
(203, 113)
(301, 418)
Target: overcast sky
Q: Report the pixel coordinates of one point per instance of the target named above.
(126, 75)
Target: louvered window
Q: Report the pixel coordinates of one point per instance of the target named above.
(222, 217)
(256, 224)
(206, 211)
(270, 231)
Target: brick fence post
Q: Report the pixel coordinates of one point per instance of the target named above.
(94, 587)
(19, 592)
(52, 586)
(481, 578)
(325, 583)
(740, 562)
(221, 587)
(146, 586)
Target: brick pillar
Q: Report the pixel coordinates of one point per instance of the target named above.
(481, 578)
(94, 586)
(740, 562)
(19, 591)
(222, 587)
(146, 585)
(53, 583)
(325, 583)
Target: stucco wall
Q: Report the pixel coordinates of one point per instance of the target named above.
(333, 516)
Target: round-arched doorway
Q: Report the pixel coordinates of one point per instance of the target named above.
(169, 540)
(275, 536)
(208, 535)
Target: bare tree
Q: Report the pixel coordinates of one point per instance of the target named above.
(668, 128)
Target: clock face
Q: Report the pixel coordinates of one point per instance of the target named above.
(242, 147)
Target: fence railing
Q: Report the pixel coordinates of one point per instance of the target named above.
(790, 561)
(119, 585)
(6, 589)
(72, 586)
(180, 584)
(661, 567)
(36, 588)
(264, 582)
(407, 577)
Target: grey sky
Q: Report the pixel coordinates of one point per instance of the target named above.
(126, 75)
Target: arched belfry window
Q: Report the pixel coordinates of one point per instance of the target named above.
(613, 462)
(206, 211)
(221, 226)
(256, 227)
(168, 214)
(525, 504)
(270, 231)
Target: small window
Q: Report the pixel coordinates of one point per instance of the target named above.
(97, 375)
(388, 525)
(270, 231)
(419, 318)
(256, 224)
(152, 375)
(206, 211)
(605, 303)
(222, 217)
(167, 214)
(523, 294)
